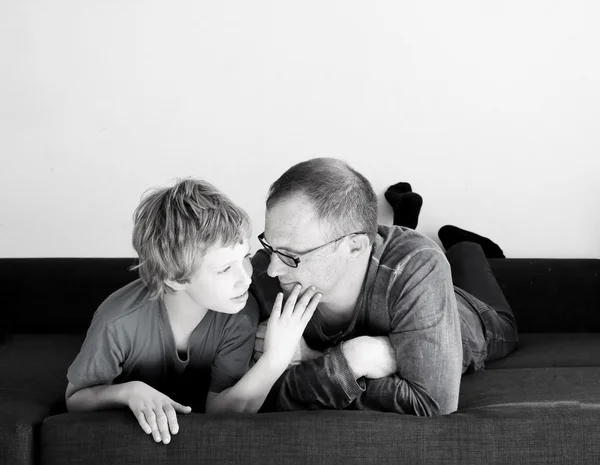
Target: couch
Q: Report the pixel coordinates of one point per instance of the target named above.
(539, 405)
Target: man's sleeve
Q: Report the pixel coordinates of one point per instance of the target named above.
(100, 359)
(325, 382)
(425, 335)
(234, 356)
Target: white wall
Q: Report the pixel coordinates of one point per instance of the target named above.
(491, 110)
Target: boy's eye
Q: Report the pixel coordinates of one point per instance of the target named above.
(225, 270)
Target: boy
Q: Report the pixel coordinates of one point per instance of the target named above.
(183, 334)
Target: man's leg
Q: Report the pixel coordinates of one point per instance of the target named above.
(471, 272)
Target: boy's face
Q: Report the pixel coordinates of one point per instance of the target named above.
(222, 279)
(292, 226)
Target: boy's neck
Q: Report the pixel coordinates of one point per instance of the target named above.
(179, 306)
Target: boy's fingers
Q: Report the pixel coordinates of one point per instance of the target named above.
(163, 425)
(171, 418)
(181, 408)
(276, 311)
(151, 419)
(312, 306)
(257, 355)
(139, 415)
(305, 299)
(291, 300)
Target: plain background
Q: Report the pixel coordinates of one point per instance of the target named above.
(491, 110)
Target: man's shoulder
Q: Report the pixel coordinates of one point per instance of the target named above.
(396, 245)
(124, 304)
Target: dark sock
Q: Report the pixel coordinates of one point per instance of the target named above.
(450, 235)
(405, 204)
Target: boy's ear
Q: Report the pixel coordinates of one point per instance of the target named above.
(175, 285)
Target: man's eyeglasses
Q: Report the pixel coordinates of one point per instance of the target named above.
(294, 261)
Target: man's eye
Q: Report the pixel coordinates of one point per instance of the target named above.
(249, 255)
(225, 270)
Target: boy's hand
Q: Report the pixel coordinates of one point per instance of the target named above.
(287, 323)
(370, 356)
(154, 411)
(303, 351)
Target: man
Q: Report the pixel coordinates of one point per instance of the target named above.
(391, 332)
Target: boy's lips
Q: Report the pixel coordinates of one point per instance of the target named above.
(241, 296)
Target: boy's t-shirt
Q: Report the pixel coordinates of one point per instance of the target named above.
(130, 339)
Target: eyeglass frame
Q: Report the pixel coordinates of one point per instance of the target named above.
(296, 259)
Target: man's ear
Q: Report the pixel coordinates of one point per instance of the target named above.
(175, 285)
(358, 244)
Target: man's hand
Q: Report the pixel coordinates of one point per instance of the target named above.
(154, 411)
(370, 356)
(281, 337)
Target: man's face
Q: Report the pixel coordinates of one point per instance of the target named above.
(292, 227)
(222, 279)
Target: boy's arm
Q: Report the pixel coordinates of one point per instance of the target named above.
(91, 377)
(284, 330)
(154, 411)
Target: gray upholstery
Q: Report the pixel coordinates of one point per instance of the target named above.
(539, 405)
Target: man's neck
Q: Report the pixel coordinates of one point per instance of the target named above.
(341, 301)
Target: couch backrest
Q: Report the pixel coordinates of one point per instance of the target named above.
(60, 295)
(551, 295)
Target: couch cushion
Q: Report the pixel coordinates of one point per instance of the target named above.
(330, 437)
(519, 388)
(553, 350)
(32, 386)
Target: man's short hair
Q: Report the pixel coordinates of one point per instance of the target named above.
(341, 196)
(174, 226)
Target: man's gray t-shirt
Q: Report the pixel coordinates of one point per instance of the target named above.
(130, 339)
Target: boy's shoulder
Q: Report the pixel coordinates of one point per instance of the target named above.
(244, 320)
(125, 302)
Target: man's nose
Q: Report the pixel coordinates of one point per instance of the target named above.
(276, 267)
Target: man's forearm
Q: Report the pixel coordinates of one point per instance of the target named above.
(325, 382)
(394, 394)
(99, 398)
(250, 392)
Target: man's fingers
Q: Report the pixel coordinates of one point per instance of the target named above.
(141, 418)
(163, 424)
(171, 418)
(257, 355)
(259, 345)
(261, 331)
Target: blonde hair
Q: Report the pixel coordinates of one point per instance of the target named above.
(174, 226)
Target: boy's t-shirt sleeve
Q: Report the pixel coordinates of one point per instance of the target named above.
(101, 356)
(234, 355)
